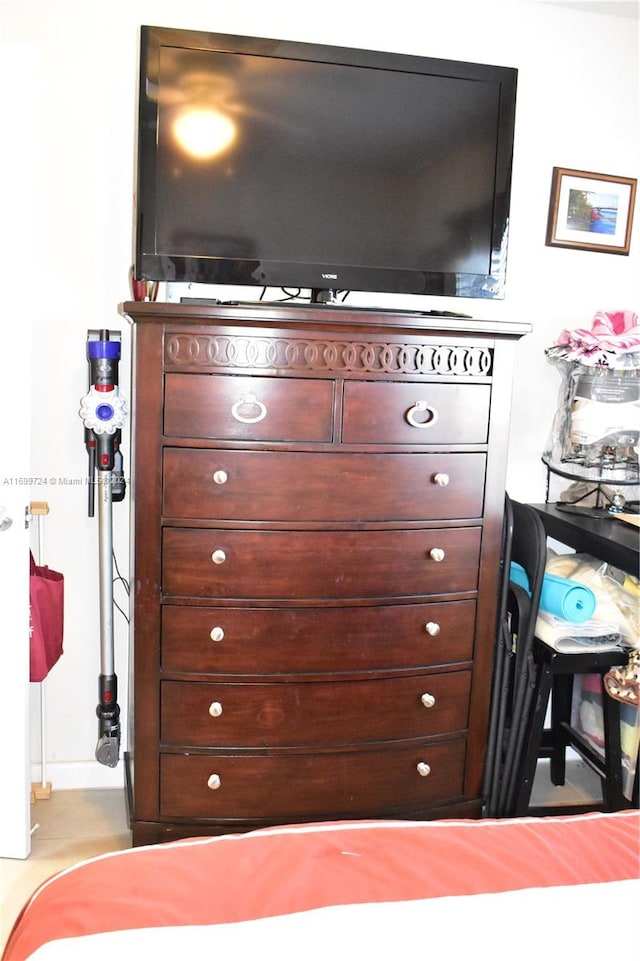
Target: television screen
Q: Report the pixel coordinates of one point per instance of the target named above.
(275, 163)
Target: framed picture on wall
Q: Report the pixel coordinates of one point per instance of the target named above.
(591, 211)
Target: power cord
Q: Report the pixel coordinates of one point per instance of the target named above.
(125, 584)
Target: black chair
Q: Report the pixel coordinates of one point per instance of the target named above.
(515, 670)
(501, 676)
(529, 550)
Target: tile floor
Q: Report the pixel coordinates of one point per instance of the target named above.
(74, 825)
(71, 826)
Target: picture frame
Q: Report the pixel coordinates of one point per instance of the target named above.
(591, 211)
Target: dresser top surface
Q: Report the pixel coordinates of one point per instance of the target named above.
(315, 315)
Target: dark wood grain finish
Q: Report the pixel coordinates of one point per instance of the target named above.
(312, 785)
(312, 633)
(253, 641)
(145, 493)
(244, 408)
(268, 486)
(318, 713)
(291, 565)
(314, 351)
(378, 413)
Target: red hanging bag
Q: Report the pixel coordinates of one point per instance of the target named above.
(46, 620)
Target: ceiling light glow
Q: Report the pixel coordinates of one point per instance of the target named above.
(203, 132)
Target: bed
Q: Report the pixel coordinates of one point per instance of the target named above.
(495, 889)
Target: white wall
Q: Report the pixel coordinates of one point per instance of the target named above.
(577, 108)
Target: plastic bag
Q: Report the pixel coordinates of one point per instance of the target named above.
(617, 593)
(595, 427)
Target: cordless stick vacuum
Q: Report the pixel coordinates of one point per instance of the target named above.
(103, 411)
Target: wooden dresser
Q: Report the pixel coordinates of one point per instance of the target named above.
(317, 499)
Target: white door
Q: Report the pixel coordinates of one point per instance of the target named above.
(15, 837)
(17, 167)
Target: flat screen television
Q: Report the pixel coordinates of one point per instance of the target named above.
(294, 165)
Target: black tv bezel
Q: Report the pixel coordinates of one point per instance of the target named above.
(149, 265)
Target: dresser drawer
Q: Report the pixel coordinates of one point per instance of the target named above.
(286, 714)
(248, 408)
(319, 564)
(312, 640)
(399, 413)
(268, 485)
(326, 785)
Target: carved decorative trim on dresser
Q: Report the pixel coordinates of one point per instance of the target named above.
(317, 499)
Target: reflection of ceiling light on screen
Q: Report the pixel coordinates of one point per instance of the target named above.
(204, 133)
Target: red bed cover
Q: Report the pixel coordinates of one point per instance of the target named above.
(521, 888)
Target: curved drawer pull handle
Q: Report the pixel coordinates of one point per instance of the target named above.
(249, 400)
(423, 769)
(218, 557)
(217, 633)
(428, 699)
(421, 407)
(432, 628)
(436, 554)
(441, 479)
(215, 709)
(214, 781)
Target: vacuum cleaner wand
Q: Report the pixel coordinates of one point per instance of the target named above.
(103, 411)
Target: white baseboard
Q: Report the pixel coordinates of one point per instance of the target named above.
(79, 775)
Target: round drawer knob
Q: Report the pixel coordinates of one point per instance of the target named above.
(423, 769)
(436, 554)
(441, 480)
(217, 633)
(218, 557)
(432, 628)
(215, 709)
(214, 782)
(428, 700)
(220, 477)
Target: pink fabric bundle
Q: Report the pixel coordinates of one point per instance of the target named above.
(612, 334)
